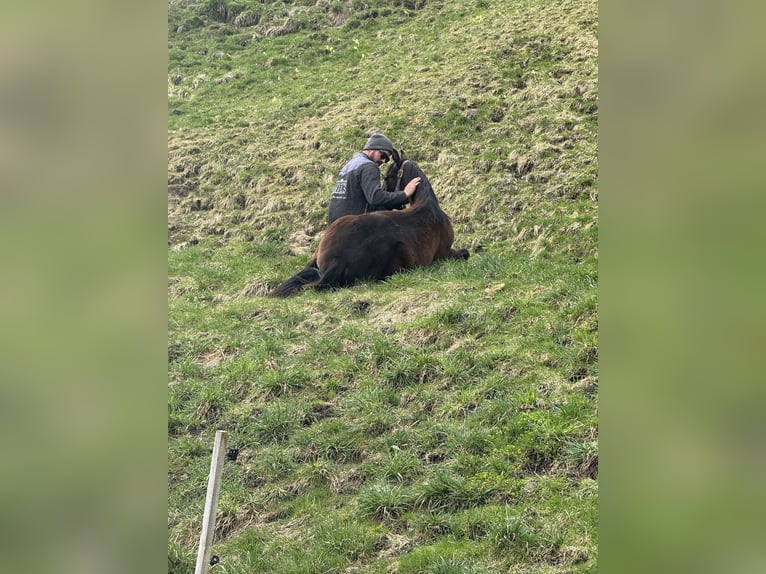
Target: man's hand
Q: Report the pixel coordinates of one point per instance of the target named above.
(410, 188)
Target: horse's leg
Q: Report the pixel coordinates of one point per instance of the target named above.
(445, 251)
(334, 275)
(458, 253)
(402, 256)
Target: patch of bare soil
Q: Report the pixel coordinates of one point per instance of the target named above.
(405, 310)
(258, 288)
(301, 241)
(216, 357)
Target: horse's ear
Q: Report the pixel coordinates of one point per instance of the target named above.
(397, 158)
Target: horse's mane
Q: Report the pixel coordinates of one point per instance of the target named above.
(403, 171)
(425, 191)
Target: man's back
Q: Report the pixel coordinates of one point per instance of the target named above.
(358, 190)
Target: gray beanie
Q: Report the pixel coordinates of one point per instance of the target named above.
(379, 141)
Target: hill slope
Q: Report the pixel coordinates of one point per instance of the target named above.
(442, 421)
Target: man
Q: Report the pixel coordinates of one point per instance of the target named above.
(358, 188)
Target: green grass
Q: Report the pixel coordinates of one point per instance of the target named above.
(446, 419)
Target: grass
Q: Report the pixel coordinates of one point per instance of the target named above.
(444, 420)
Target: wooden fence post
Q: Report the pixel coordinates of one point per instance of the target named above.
(211, 503)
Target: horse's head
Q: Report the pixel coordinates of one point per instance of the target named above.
(393, 173)
(398, 157)
(401, 172)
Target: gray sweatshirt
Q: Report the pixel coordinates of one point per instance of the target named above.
(358, 190)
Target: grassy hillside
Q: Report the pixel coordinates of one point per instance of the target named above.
(444, 420)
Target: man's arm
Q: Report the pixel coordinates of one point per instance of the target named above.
(376, 195)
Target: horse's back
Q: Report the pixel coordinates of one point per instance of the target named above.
(378, 244)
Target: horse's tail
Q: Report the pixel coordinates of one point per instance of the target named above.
(309, 275)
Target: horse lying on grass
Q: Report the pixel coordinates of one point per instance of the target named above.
(376, 245)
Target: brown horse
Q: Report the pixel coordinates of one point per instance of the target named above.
(376, 245)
